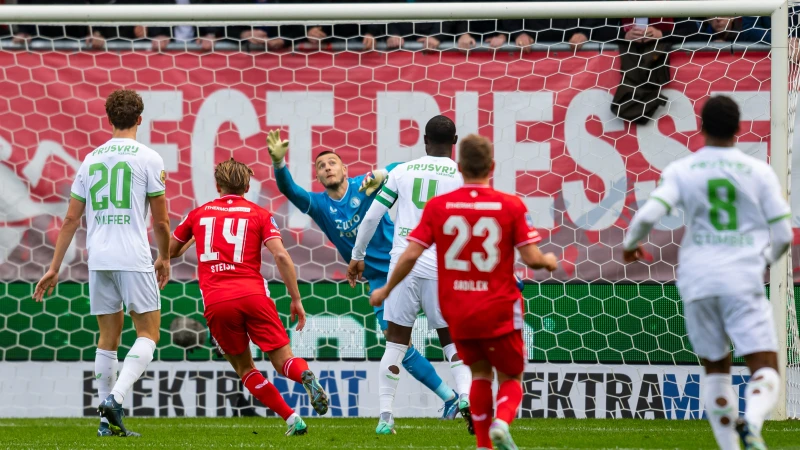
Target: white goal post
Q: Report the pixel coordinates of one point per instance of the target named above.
(782, 104)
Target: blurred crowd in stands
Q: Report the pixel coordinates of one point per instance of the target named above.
(431, 35)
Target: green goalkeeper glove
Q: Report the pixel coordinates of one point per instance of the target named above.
(373, 181)
(277, 148)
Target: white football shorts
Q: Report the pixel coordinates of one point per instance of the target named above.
(409, 297)
(110, 289)
(713, 323)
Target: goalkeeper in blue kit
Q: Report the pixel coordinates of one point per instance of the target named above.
(338, 212)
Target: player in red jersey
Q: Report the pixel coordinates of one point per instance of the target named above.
(230, 232)
(476, 229)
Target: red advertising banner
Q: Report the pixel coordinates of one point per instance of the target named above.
(581, 170)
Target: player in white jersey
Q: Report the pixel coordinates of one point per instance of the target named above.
(410, 185)
(115, 185)
(732, 203)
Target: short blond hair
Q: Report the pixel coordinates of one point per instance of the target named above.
(475, 156)
(232, 176)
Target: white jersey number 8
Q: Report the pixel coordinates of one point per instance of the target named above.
(227, 232)
(485, 227)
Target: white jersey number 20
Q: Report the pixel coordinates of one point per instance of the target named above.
(486, 227)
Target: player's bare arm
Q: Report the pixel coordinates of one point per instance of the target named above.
(366, 231)
(71, 223)
(158, 206)
(644, 220)
(401, 270)
(178, 248)
(289, 276)
(533, 257)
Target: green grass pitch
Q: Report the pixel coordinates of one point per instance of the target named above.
(326, 434)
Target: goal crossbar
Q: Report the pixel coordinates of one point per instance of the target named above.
(342, 12)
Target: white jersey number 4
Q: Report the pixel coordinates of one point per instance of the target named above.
(237, 239)
(486, 227)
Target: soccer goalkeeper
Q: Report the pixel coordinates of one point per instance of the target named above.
(338, 212)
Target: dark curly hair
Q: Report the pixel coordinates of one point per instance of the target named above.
(123, 107)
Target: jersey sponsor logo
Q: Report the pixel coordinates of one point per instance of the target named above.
(478, 206)
(231, 209)
(333, 210)
(274, 222)
(273, 230)
(348, 228)
(723, 164)
(355, 202)
(440, 170)
(533, 234)
(120, 149)
(163, 176)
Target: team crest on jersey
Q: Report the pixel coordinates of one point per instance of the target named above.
(333, 210)
(274, 222)
(163, 177)
(355, 202)
(528, 220)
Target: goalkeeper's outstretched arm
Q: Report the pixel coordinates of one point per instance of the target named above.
(286, 185)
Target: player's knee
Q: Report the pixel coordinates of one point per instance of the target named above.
(503, 377)
(109, 343)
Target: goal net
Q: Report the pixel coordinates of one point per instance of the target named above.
(583, 113)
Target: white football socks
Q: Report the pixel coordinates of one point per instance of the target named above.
(461, 372)
(105, 372)
(136, 361)
(761, 396)
(722, 408)
(389, 374)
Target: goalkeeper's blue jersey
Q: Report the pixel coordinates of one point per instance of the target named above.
(340, 219)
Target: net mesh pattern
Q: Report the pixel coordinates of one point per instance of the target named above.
(547, 92)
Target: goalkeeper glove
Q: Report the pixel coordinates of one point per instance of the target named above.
(373, 180)
(277, 148)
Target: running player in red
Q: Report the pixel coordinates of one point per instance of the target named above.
(476, 229)
(230, 232)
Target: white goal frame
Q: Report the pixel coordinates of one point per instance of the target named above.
(780, 280)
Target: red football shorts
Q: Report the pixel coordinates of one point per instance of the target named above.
(506, 353)
(234, 323)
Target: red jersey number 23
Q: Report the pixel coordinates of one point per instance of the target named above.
(485, 227)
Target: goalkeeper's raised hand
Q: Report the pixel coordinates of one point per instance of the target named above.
(277, 148)
(373, 181)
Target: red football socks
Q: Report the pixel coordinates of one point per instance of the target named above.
(509, 396)
(266, 393)
(480, 405)
(294, 368)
